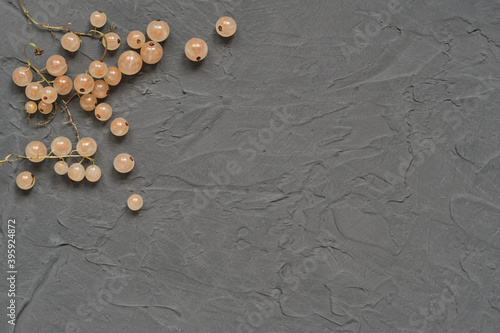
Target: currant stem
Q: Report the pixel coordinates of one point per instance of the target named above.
(6, 159)
(38, 51)
(49, 27)
(70, 121)
(105, 42)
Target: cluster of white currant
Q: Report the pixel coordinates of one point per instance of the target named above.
(94, 84)
(90, 87)
(89, 91)
(61, 148)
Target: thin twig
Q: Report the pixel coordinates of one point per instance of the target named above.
(70, 121)
(38, 51)
(6, 159)
(105, 42)
(51, 28)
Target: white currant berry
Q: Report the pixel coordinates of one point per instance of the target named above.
(98, 19)
(135, 202)
(36, 151)
(158, 30)
(76, 172)
(124, 163)
(22, 76)
(25, 180)
(93, 173)
(70, 42)
(61, 168)
(196, 49)
(86, 147)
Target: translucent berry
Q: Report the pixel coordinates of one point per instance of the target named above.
(98, 69)
(119, 127)
(30, 107)
(225, 26)
(101, 89)
(36, 151)
(158, 30)
(70, 42)
(196, 49)
(93, 173)
(114, 76)
(61, 168)
(48, 95)
(113, 40)
(135, 202)
(33, 91)
(98, 19)
(124, 163)
(136, 39)
(76, 172)
(84, 83)
(61, 146)
(151, 52)
(25, 180)
(56, 65)
(88, 102)
(63, 85)
(45, 108)
(22, 76)
(86, 147)
(103, 111)
(130, 62)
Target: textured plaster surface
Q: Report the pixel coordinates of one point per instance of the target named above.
(334, 167)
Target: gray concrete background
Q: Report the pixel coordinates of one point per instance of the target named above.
(334, 167)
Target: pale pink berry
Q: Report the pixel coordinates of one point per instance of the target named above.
(113, 40)
(196, 49)
(114, 76)
(130, 62)
(63, 85)
(136, 39)
(48, 95)
(84, 83)
(45, 108)
(124, 163)
(98, 69)
(36, 151)
(76, 172)
(61, 146)
(25, 180)
(88, 102)
(119, 127)
(56, 65)
(22, 76)
(86, 147)
(61, 168)
(103, 111)
(101, 89)
(158, 30)
(33, 91)
(70, 42)
(135, 202)
(30, 107)
(225, 26)
(93, 173)
(98, 19)
(151, 52)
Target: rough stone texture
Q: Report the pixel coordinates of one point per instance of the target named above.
(334, 167)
